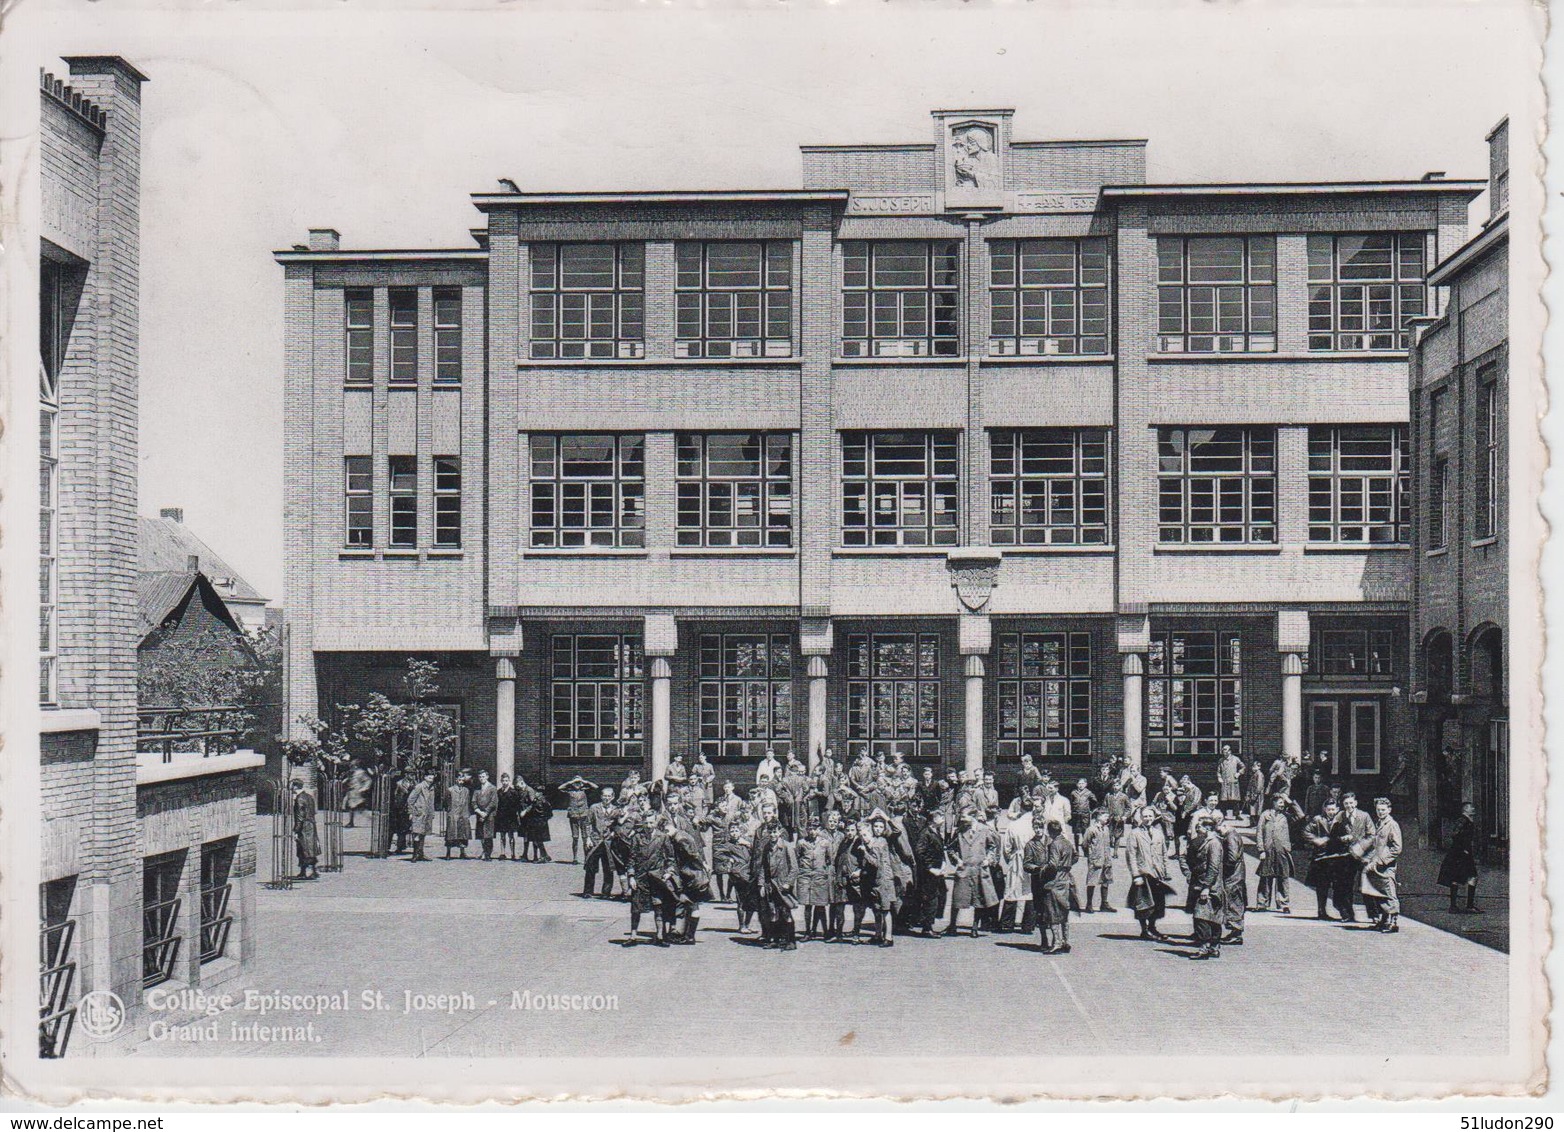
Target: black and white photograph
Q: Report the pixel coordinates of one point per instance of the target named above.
(891, 551)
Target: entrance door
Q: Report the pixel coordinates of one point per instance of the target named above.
(1350, 730)
(1496, 783)
(1324, 732)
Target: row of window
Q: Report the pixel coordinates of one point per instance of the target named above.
(1047, 487)
(162, 941)
(902, 299)
(1486, 474)
(1042, 686)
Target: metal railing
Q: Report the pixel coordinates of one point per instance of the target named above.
(205, 731)
(215, 921)
(160, 941)
(57, 978)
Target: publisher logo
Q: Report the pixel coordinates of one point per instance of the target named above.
(101, 1014)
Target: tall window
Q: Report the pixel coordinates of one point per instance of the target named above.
(1194, 694)
(448, 335)
(1489, 425)
(893, 694)
(588, 490)
(1045, 695)
(57, 989)
(735, 489)
(1216, 294)
(404, 335)
(1356, 650)
(360, 302)
(899, 298)
(1217, 485)
(358, 500)
(1364, 290)
(899, 489)
(597, 695)
(1048, 297)
(217, 858)
(588, 300)
(1360, 486)
(1049, 487)
(48, 545)
(160, 901)
(448, 501)
(1438, 507)
(404, 500)
(746, 694)
(59, 291)
(735, 299)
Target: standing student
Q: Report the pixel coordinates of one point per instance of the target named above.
(578, 800)
(458, 817)
(507, 815)
(420, 814)
(485, 800)
(1205, 886)
(306, 838)
(1097, 848)
(1146, 859)
(1048, 861)
(1459, 867)
(1379, 869)
(1273, 840)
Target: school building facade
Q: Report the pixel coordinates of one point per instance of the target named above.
(969, 448)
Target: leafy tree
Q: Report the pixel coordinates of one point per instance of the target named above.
(411, 732)
(180, 671)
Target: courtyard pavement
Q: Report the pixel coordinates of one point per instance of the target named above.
(488, 935)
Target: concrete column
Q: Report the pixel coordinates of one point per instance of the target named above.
(1134, 709)
(1292, 706)
(504, 717)
(974, 671)
(662, 732)
(818, 671)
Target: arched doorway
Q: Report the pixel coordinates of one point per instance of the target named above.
(1490, 736)
(1444, 751)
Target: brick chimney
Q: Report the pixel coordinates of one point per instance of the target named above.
(325, 240)
(1499, 169)
(192, 563)
(175, 513)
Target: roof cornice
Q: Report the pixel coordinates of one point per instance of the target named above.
(487, 201)
(390, 255)
(1470, 252)
(1469, 189)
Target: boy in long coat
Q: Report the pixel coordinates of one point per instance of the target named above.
(1097, 847)
(773, 870)
(420, 815)
(1273, 840)
(1235, 881)
(458, 818)
(975, 854)
(485, 800)
(1379, 868)
(306, 838)
(1205, 886)
(1229, 774)
(1146, 858)
(816, 884)
(1048, 861)
(1016, 832)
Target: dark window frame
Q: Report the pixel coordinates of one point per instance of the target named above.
(1043, 703)
(580, 700)
(1021, 293)
(403, 307)
(1185, 491)
(448, 336)
(745, 711)
(879, 694)
(869, 477)
(358, 502)
(1208, 697)
(611, 316)
(706, 496)
(1342, 292)
(402, 480)
(881, 316)
(1336, 489)
(556, 496)
(707, 306)
(1201, 311)
(358, 319)
(448, 502)
(1020, 489)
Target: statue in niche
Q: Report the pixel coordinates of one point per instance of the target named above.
(976, 164)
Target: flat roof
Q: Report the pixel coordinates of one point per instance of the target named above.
(717, 196)
(401, 255)
(1469, 188)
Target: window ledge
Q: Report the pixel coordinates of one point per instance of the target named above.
(446, 552)
(1353, 547)
(1283, 356)
(56, 720)
(362, 554)
(733, 552)
(399, 553)
(585, 552)
(1036, 551)
(634, 363)
(1437, 552)
(1049, 360)
(961, 361)
(1491, 540)
(893, 551)
(1219, 548)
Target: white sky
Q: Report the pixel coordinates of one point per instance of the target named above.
(258, 125)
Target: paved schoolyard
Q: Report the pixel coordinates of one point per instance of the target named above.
(486, 936)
